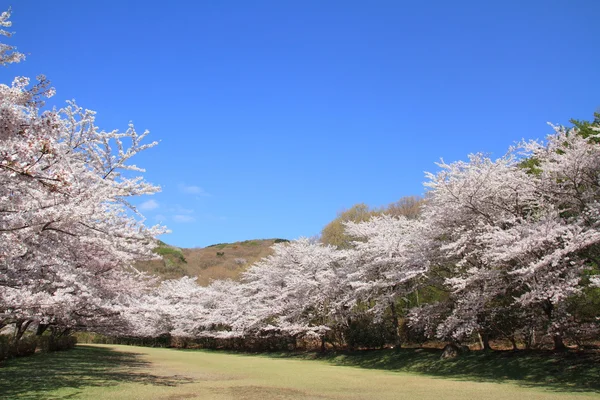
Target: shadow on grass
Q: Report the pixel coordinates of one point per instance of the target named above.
(569, 371)
(33, 377)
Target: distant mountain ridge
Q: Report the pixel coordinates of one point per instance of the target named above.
(217, 261)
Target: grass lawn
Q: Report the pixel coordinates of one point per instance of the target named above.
(123, 372)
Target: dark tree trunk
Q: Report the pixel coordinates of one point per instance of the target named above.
(559, 345)
(396, 340)
(323, 344)
(548, 308)
(514, 343)
(41, 329)
(484, 341)
(3, 323)
(20, 328)
(58, 331)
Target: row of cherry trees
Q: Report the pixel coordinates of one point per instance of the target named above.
(67, 231)
(503, 248)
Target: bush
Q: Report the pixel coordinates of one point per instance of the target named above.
(219, 245)
(364, 332)
(49, 343)
(90, 337)
(28, 345)
(5, 346)
(171, 251)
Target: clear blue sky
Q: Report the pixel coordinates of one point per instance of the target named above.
(273, 116)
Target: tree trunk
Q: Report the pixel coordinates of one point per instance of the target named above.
(3, 323)
(396, 341)
(484, 341)
(559, 345)
(322, 344)
(57, 331)
(41, 329)
(530, 339)
(514, 343)
(556, 338)
(20, 328)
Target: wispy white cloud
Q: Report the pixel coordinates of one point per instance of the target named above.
(149, 205)
(192, 189)
(160, 218)
(183, 218)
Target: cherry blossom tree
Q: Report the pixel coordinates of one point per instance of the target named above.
(67, 230)
(8, 54)
(294, 291)
(515, 238)
(387, 263)
(559, 240)
(194, 311)
(466, 200)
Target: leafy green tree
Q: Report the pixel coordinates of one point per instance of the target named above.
(408, 206)
(586, 128)
(334, 232)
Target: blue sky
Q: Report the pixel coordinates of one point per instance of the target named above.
(272, 116)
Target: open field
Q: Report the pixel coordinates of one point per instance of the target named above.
(122, 372)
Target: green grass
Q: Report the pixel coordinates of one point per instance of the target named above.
(122, 372)
(170, 251)
(569, 371)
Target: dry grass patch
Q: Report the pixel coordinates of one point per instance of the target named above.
(219, 261)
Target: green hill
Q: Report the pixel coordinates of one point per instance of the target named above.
(218, 261)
